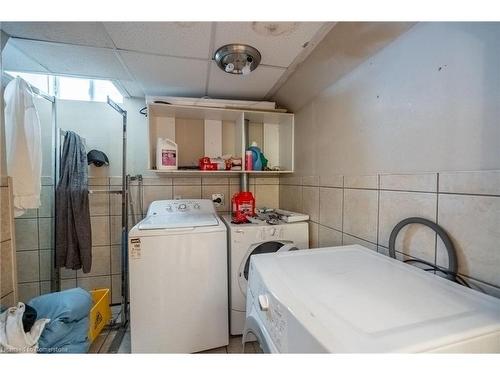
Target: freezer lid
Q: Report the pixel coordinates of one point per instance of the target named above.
(373, 302)
(179, 220)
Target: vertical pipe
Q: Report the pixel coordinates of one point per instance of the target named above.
(244, 176)
(55, 283)
(125, 184)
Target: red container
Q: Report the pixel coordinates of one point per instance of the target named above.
(206, 165)
(243, 205)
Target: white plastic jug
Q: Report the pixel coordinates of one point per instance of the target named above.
(166, 154)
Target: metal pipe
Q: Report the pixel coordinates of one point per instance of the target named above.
(55, 282)
(244, 185)
(125, 193)
(34, 89)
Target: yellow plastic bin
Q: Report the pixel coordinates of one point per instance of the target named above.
(100, 314)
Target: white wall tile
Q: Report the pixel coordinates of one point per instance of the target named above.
(68, 284)
(8, 300)
(100, 230)
(350, 240)
(24, 241)
(157, 181)
(473, 223)
(47, 202)
(5, 223)
(330, 207)
(360, 213)
(155, 193)
(45, 233)
(101, 262)
(116, 259)
(91, 283)
(187, 181)
(361, 182)
(116, 289)
(291, 198)
(27, 266)
(215, 181)
(290, 180)
(477, 182)
(267, 196)
(99, 203)
(187, 192)
(6, 271)
(329, 237)
(267, 180)
(409, 182)
(28, 291)
(310, 180)
(331, 181)
(310, 202)
(414, 239)
(313, 235)
(46, 265)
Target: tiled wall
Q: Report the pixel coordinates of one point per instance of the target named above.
(34, 245)
(364, 209)
(105, 213)
(7, 255)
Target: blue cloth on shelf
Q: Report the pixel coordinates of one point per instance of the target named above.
(68, 328)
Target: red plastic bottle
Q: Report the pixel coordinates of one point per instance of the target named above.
(249, 160)
(243, 205)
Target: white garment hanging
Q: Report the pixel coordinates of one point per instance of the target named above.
(23, 145)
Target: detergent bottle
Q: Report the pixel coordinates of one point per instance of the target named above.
(166, 154)
(256, 157)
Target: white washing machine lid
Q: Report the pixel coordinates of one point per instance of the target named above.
(179, 220)
(353, 299)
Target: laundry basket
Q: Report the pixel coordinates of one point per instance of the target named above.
(100, 314)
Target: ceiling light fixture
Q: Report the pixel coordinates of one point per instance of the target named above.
(237, 58)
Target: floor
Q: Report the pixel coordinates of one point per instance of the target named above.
(102, 344)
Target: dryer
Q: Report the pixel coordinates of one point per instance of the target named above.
(245, 240)
(350, 299)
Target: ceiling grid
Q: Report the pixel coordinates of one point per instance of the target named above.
(160, 58)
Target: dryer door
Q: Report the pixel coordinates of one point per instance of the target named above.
(260, 248)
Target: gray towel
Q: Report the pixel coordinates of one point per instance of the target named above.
(73, 231)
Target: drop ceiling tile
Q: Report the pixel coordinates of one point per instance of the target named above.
(134, 89)
(15, 60)
(161, 75)
(278, 42)
(252, 86)
(69, 59)
(81, 33)
(183, 39)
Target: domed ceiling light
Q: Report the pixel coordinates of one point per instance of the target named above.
(237, 58)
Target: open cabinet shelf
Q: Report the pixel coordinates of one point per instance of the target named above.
(212, 132)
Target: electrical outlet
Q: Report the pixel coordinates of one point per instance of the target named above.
(218, 199)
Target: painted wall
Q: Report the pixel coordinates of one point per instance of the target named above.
(388, 141)
(428, 101)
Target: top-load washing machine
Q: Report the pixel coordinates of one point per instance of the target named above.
(178, 278)
(259, 237)
(350, 299)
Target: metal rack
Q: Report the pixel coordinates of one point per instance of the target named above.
(124, 192)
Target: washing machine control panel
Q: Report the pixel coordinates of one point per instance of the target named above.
(177, 206)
